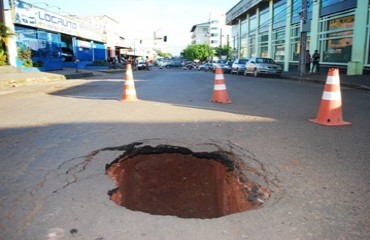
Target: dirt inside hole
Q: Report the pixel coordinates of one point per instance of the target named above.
(186, 185)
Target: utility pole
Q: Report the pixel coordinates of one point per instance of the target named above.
(2, 13)
(303, 42)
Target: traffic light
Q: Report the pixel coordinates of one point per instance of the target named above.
(164, 38)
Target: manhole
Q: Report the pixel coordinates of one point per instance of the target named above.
(173, 180)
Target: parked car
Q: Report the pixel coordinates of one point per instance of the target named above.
(205, 67)
(174, 64)
(190, 65)
(260, 65)
(228, 64)
(225, 68)
(239, 66)
(140, 66)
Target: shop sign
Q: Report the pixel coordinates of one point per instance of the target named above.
(30, 15)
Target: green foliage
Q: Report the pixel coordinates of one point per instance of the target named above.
(5, 33)
(224, 51)
(198, 51)
(25, 56)
(163, 54)
(3, 58)
(38, 64)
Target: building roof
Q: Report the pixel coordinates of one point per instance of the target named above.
(206, 24)
(239, 9)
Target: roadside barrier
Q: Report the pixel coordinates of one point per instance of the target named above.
(219, 90)
(330, 111)
(129, 92)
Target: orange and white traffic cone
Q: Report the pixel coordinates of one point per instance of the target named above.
(129, 92)
(219, 90)
(330, 112)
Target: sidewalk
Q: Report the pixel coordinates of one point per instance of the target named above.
(351, 81)
(14, 79)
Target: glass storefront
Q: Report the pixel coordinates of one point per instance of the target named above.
(45, 46)
(263, 44)
(278, 45)
(336, 38)
(252, 46)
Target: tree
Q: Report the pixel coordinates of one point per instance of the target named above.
(198, 51)
(224, 51)
(5, 33)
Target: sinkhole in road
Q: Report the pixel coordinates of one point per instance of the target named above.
(173, 180)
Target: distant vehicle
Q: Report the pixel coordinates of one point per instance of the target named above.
(265, 66)
(140, 66)
(228, 68)
(174, 64)
(217, 63)
(205, 67)
(67, 54)
(225, 68)
(238, 66)
(190, 65)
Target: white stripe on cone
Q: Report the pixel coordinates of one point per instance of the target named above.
(335, 96)
(130, 91)
(220, 87)
(219, 77)
(332, 80)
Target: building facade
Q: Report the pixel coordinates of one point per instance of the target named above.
(58, 40)
(338, 29)
(214, 32)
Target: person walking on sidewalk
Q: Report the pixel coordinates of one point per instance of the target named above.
(308, 61)
(315, 62)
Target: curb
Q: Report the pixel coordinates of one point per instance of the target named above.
(344, 84)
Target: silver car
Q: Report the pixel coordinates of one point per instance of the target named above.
(258, 66)
(238, 66)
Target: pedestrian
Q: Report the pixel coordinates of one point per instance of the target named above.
(315, 62)
(308, 61)
(147, 64)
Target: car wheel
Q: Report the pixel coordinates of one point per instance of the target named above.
(255, 73)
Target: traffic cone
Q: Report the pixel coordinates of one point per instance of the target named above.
(330, 112)
(129, 92)
(219, 91)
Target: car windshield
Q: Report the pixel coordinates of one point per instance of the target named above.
(243, 61)
(265, 60)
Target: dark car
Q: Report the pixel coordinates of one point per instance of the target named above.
(205, 67)
(225, 68)
(228, 66)
(67, 54)
(174, 64)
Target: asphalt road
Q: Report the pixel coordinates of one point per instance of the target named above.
(56, 138)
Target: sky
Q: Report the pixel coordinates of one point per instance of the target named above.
(140, 18)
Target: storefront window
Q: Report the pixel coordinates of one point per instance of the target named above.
(280, 9)
(336, 38)
(264, 20)
(244, 27)
(278, 43)
(45, 46)
(253, 23)
(295, 43)
(243, 52)
(263, 44)
(252, 46)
